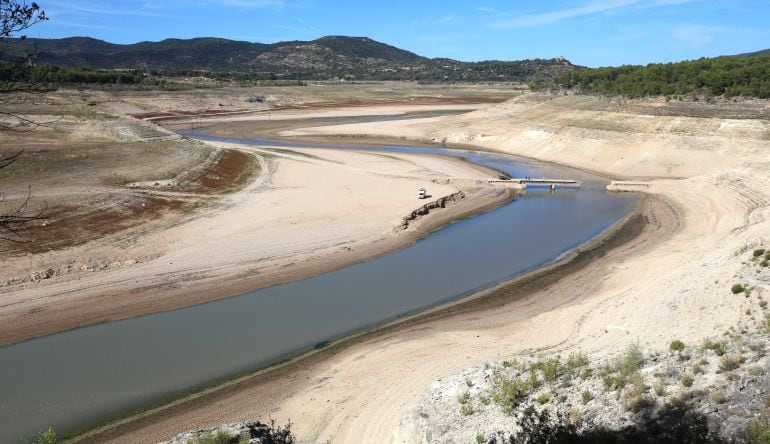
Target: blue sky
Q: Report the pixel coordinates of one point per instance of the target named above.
(588, 32)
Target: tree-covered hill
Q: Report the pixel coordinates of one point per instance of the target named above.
(764, 52)
(325, 58)
(708, 77)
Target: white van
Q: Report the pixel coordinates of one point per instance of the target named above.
(422, 193)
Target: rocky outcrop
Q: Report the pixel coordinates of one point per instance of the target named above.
(425, 209)
(722, 385)
(252, 432)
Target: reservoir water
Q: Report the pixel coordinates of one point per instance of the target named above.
(77, 378)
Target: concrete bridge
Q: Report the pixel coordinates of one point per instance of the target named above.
(624, 185)
(519, 183)
(523, 183)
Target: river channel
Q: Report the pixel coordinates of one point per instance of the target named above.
(78, 378)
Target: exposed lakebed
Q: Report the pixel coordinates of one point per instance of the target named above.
(73, 379)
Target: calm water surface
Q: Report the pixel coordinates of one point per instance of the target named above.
(73, 379)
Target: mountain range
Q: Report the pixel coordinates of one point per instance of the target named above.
(323, 58)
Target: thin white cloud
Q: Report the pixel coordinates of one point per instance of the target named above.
(151, 5)
(693, 35)
(93, 10)
(256, 4)
(486, 9)
(666, 2)
(436, 21)
(545, 18)
(70, 24)
(698, 36)
(297, 30)
(589, 8)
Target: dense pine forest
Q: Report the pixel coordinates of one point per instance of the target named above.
(721, 76)
(45, 74)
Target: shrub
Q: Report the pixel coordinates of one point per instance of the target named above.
(636, 397)
(468, 382)
(671, 425)
(719, 347)
(677, 404)
(221, 437)
(660, 388)
(575, 417)
(687, 379)
(550, 368)
(533, 381)
(730, 362)
(464, 398)
(637, 403)
(509, 393)
(480, 438)
(759, 252)
(265, 433)
(587, 396)
(484, 399)
(757, 370)
(611, 382)
(632, 359)
(47, 437)
(543, 398)
(764, 263)
(576, 361)
(676, 345)
(718, 397)
(758, 433)
(737, 288)
(467, 410)
(542, 427)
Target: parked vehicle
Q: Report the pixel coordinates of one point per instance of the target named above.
(422, 193)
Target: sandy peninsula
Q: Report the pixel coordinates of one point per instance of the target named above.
(304, 212)
(664, 274)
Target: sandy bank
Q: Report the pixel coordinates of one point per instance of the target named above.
(647, 138)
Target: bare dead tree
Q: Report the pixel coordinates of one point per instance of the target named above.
(12, 222)
(15, 17)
